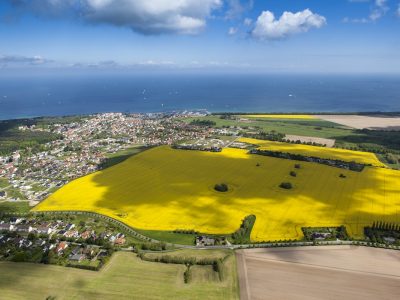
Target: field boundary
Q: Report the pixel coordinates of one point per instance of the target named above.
(275, 244)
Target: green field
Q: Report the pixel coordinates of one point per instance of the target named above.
(366, 140)
(316, 128)
(14, 207)
(120, 156)
(169, 236)
(124, 277)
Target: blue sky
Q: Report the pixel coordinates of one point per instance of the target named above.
(328, 36)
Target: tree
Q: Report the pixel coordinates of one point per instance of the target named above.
(222, 187)
(286, 185)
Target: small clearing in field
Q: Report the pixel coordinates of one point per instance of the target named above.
(309, 139)
(362, 122)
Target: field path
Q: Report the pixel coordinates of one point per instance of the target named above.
(242, 274)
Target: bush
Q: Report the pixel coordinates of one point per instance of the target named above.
(222, 187)
(218, 267)
(297, 166)
(187, 276)
(293, 174)
(286, 185)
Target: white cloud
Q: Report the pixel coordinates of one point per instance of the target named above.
(236, 8)
(232, 31)
(378, 10)
(144, 16)
(267, 27)
(247, 22)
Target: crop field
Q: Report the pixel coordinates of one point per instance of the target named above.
(168, 189)
(327, 272)
(124, 277)
(323, 152)
(287, 117)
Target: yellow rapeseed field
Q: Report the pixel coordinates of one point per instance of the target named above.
(323, 152)
(167, 189)
(298, 117)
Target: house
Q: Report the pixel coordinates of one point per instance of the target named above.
(24, 228)
(40, 243)
(69, 227)
(71, 233)
(202, 241)
(119, 241)
(321, 235)
(77, 257)
(25, 243)
(120, 235)
(61, 247)
(6, 227)
(89, 250)
(22, 242)
(104, 235)
(43, 229)
(76, 250)
(15, 220)
(86, 234)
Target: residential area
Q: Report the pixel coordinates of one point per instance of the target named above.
(83, 146)
(59, 239)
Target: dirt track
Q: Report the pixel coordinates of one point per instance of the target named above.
(329, 272)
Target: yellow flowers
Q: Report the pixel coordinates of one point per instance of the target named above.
(167, 189)
(322, 152)
(298, 117)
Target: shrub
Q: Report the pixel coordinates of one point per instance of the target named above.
(297, 166)
(293, 174)
(187, 276)
(286, 185)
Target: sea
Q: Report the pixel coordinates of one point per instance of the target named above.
(33, 95)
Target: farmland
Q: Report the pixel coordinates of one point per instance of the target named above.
(276, 116)
(345, 137)
(322, 152)
(124, 277)
(168, 189)
(327, 272)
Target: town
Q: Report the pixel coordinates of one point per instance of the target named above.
(83, 147)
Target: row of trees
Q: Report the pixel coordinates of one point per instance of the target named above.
(353, 166)
(205, 123)
(216, 263)
(385, 226)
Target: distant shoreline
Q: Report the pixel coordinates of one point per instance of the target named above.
(388, 114)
